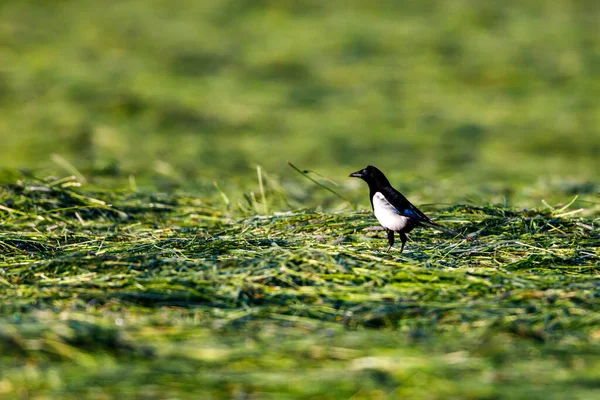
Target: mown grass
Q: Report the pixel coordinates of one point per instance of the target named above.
(108, 294)
(167, 269)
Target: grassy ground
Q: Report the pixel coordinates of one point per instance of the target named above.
(155, 296)
(164, 269)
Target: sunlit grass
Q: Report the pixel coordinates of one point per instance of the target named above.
(185, 259)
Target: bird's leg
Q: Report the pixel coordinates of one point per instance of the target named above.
(390, 234)
(403, 238)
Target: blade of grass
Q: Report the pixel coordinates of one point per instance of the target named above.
(304, 173)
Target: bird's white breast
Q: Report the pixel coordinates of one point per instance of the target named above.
(387, 215)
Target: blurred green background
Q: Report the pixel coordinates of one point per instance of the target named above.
(457, 101)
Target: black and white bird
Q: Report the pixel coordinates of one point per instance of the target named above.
(393, 211)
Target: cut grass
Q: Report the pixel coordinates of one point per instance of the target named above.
(211, 293)
(156, 296)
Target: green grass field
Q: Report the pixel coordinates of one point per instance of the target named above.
(155, 243)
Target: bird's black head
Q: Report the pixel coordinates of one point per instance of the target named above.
(373, 176)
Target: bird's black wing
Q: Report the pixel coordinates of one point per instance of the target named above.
(403, 206)
(407, 209)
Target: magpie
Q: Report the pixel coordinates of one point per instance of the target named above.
(393, 211)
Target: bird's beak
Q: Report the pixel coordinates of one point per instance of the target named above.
(357, 174)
